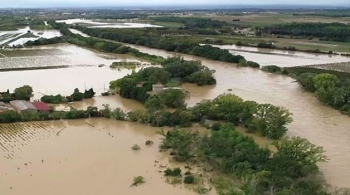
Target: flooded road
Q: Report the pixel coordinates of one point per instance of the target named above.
(282, 58)
(71, 157)
(318, 123)
(314, 121)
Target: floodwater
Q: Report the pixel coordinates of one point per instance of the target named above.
(82, 157)
(107, 24)
(282, 58)
(318, 123)
(83, 71)
(7, 36)
(314, 121)
(74, 31)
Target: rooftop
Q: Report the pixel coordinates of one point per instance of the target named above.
(41, 106)
(21, 105)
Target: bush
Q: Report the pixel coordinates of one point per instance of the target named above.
(253, 64)
(138, 180)
(172, 172)
(149, 142)
(272, 69)
(136, 147)
(216, 126)
(189, 179)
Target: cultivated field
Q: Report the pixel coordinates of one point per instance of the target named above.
(274, 18)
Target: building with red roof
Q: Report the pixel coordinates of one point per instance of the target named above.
(41, 106)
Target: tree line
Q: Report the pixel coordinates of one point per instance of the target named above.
(329, 89)
(323, 31)
(75, 96)
(145, 37)
(21, 93)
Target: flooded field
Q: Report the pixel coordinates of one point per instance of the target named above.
(14, 38)
(314, 121)
(318, 123)
(74, 31)
(83, 72)
(282, 58)
(73, 157)
(106, 24)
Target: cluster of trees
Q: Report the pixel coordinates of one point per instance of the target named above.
(11, 116)
(147, 38)
(330, 89)
(245, 63)
(266, 119)
(192, 22)
(21, 93)
(323, 31)
(75, 96)
(289, 170)
(136, 85)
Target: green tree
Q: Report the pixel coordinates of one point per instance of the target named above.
(325, 80)
(173, 98)
(270, 120)
(23, 93)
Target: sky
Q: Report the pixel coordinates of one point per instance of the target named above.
(84, 3)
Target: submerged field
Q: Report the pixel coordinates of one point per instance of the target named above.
(86, 157)
(23, 35)
(106, 23)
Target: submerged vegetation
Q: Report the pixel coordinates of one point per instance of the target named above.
(289, 170)
(21, 93)
(128, 65)
(329, 89)
(138, 180)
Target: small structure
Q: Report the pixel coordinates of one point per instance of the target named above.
(23, 106)
(41, 106)
(156, 88)
(2, 103)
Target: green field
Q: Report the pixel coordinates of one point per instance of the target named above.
(274, 18)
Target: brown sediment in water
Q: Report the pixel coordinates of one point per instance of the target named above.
(314, 121)
(318, 123)
(83, 159)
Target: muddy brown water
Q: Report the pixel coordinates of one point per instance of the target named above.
(71, 157)
(318, 123)
(314, 121)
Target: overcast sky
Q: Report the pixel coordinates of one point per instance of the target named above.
(67, 3)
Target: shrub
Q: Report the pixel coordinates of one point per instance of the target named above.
(149, 142)
(172, 172)
(189, 179)
(272, 69)
(138, 180)
(136, 147)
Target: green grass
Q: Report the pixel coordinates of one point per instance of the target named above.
(41, 27)
(167, 24)
(275, 18)
(300, 69)
(303, 44)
